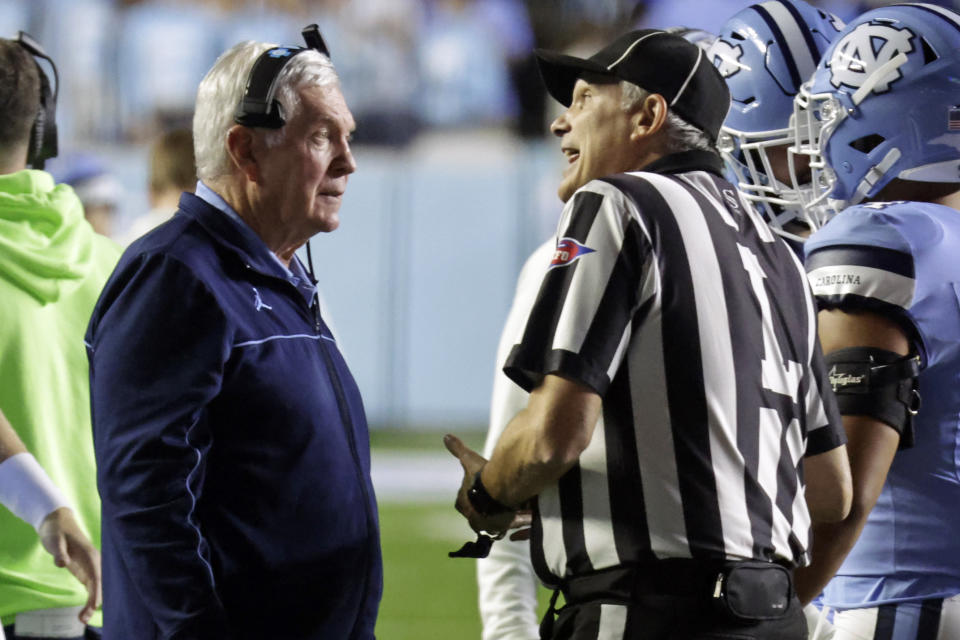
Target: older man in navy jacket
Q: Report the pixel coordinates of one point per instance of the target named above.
(230, 437)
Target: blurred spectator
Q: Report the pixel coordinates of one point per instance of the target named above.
(164, 47)
(173, 170)
(508, 23)
(278, 21)
(464, 68)
(15, 15)
(374, 45)
(80, 36)
(98, 188)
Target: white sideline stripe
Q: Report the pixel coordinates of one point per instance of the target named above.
(283, 337)
(403, 476)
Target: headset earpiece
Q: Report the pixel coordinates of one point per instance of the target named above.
(43, 135)
(257, 107)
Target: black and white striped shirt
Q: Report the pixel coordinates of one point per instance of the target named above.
(673, 300)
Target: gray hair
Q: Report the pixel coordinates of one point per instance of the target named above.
(222, 88)
(681, 135)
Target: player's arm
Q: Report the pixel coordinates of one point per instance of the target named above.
(10, 443)
(31, 495)
(829, 492)
(871, 445)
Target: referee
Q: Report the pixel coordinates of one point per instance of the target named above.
(674, 374)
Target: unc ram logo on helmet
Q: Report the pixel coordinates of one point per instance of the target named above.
(863, 52)
(726, 57)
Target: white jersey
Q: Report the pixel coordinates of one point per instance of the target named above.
(506, 581)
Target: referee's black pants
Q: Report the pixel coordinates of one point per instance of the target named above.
(678, 605)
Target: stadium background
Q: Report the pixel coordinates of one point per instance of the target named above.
(455, 187)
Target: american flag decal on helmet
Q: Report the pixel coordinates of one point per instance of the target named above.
(953, 119)
(568, 251)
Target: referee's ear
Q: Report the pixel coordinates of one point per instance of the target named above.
(649, 118)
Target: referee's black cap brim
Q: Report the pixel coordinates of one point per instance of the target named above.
(560, 73)
(655, 60)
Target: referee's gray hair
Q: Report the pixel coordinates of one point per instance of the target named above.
(681, 135)
(220, 91)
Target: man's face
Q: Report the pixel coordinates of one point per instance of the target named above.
(780, 163)
(305, 175)
(594, 135)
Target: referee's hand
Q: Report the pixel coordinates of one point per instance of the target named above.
(472, 462)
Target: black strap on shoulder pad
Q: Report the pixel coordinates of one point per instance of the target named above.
(878, 383)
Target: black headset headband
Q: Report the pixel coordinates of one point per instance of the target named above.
(258, 108)
(43, 135)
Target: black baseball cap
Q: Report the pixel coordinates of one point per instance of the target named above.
(657, 61)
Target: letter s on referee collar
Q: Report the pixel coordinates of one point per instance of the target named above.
(569, 251)
(878, 383)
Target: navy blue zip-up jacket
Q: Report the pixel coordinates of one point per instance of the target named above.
(232, 447)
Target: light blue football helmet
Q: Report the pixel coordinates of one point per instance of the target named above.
(884, 103)
(765, 52)
(700, 37)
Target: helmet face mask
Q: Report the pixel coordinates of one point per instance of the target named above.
(815, 118)
(765, 165)
(882, 105)
(764, 52)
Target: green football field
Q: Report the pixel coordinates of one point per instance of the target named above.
(426, 595)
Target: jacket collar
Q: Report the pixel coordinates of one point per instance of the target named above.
(233, 235)
(683, 161)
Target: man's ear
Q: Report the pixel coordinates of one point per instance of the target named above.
(240, 146)
(650, 117)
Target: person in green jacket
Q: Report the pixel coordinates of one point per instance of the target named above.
(52, 268)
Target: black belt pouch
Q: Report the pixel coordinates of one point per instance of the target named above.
(755, 591)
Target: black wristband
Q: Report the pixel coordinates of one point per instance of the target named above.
(482, 501)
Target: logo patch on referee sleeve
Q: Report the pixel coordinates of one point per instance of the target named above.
(568, 251)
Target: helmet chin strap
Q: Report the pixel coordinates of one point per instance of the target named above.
(875, 174)
(878, 171)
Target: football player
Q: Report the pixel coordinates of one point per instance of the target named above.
(765, 52)
(880, 124)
